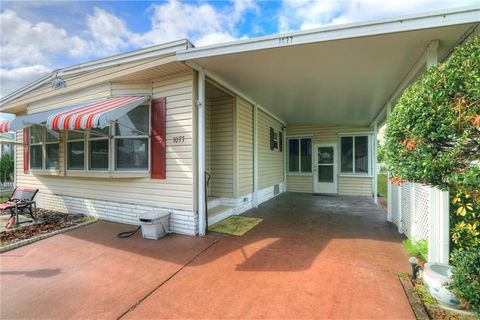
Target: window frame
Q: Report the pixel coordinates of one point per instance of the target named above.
(111, 170)
(87, 147)
(43, 144)
(369, 136)
(287, 147)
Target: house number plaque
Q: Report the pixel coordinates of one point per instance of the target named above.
(179, 139)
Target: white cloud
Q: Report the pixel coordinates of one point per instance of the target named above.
(109, 32)
(29, 50)
(23, 43)
(11, 79)
(308, 14)
(200, 22)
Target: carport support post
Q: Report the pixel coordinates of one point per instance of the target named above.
(432, 53)
(375, 159)
(255, 156)
(201, 153)
(389, 184)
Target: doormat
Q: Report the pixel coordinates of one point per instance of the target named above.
(235, 225)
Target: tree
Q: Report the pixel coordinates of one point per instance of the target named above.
(6, 168)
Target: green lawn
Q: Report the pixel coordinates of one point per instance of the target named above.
(382, 184)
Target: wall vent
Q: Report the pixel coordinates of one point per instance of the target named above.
(276, 189)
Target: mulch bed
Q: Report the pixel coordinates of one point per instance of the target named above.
(49, 221)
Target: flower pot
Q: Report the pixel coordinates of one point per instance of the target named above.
(436, 277)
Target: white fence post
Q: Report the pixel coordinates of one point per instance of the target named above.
(400, 223)
(439, 233)
(413, 211)
(389, 199)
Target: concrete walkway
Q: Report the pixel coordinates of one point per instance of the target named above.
(312, 257)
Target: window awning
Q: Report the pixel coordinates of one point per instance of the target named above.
(94, 115)
(28, 120)
(5, 126)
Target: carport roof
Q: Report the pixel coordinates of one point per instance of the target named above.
(337, 75)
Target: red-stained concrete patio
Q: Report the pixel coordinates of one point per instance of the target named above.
(312, 257)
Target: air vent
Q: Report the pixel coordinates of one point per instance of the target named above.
(276, 189)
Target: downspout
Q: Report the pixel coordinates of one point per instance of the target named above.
(202, 213)
(389, 183)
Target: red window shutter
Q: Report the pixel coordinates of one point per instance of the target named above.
(158, 139)
(272, 139)
(26, 140)
(280, 141)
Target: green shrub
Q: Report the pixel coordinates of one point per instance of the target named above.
(433, 134)
(6, 168)
(433, 137)
(466, 278)
(418, 248)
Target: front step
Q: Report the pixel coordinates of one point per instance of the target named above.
(218, 214)
(213, 202)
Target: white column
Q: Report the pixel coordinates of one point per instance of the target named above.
(389, 183)
(201, 153)
(432, 53)
(375, 160)
(255, 156)
(284, 150)
(439, 227)
(400, 224)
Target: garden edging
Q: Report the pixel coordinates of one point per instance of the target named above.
(25, 242)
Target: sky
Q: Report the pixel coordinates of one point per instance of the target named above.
(38, 37)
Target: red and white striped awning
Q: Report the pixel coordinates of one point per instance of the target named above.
(5, 125)
(97, 114)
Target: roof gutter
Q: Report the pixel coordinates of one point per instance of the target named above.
(352, 30)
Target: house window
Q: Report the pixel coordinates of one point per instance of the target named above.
(275, 140)
(354, 155)
(44, 148)
(123, 146)
(76, 150)
(98, 146)
(299, 155)
(131, 140)
(52, 139)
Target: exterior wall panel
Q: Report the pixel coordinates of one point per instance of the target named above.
(270, 162)
(174, 193)
(244, 153)
(346, 185)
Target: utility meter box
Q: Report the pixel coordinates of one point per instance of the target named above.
(155, 224)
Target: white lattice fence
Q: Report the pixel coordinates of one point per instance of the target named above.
(411, 209)
(421, 212)
(422, 209)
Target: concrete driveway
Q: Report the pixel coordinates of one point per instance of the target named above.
(311, 257)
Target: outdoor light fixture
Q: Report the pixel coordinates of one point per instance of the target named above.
(413, 262)
(58, 83)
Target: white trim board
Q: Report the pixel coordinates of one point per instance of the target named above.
(352, 30)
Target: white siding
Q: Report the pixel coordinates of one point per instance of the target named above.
(244, 138)
(220, 145)
(77, 82)
(175, 192)
(355, 186)
(346, 185)
(270, 162)
(87, 94)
